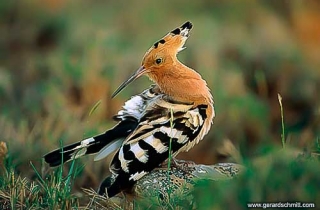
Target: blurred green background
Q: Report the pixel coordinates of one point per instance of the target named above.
(59, 58)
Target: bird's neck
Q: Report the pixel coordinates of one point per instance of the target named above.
(183, 84)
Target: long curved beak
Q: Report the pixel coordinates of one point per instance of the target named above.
(133, 77)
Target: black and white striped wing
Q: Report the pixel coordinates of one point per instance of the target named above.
(148, 145)
(131, 112)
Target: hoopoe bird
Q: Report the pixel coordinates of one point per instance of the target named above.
(175, 112)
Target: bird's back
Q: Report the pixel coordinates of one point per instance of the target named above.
(162, 122)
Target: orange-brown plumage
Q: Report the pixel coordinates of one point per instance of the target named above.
(177, 110)
(175, 79)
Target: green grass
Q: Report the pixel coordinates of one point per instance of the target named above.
(278, 176)
(170, 154)
(50, 192)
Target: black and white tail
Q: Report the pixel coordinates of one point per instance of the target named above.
(104, 143)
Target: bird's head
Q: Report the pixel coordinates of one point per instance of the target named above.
(163, 53)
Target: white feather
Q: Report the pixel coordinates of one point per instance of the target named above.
(139, 153)
(83, 144)
(156, 144)
(124, 163)
(137, 175)
(133, 107)
(108, 149)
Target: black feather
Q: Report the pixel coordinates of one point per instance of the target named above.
(62, 155)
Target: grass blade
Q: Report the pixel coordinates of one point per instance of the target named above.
(94, 107)
(282, 122)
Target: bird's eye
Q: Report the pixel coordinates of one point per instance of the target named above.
(158, 60)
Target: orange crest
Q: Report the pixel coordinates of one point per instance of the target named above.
(173, 42)
(161, 56)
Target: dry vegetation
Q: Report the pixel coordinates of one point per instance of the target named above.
(59, 58)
